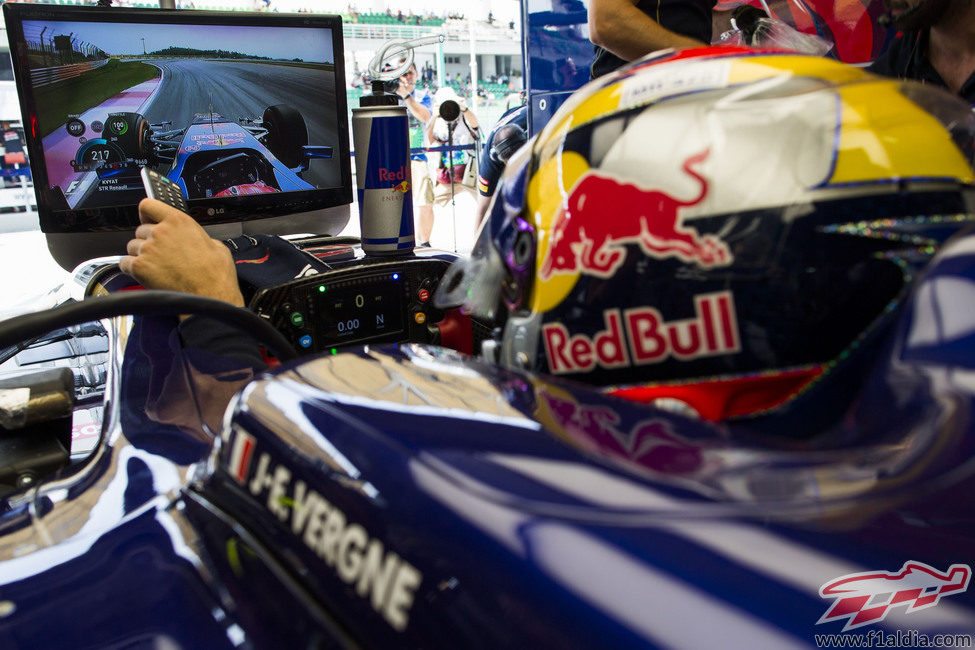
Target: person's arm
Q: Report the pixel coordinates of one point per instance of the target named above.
(469, 118)
(172, 251)
(483, 202)
(405, 92)
(420, 112)
(620, 27)
(428, 131)
(467, 114)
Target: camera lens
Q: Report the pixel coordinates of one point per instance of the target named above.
(449, 110)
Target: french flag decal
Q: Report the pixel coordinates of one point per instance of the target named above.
(241, 455)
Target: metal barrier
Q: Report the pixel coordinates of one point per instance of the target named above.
(46, 76)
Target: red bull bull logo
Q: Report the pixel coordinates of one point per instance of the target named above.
(650, 444)
(713, 331)
(602, 215)
(403, 187)
(866, 598)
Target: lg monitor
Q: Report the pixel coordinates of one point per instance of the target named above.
(245, 112)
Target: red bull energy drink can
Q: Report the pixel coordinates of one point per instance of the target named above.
(381, 138)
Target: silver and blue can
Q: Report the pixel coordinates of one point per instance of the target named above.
(383, 181)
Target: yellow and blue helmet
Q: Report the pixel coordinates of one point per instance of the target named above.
(720, 228)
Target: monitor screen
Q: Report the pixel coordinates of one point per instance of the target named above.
(246, 113)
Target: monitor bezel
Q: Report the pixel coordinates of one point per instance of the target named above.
(209, 211)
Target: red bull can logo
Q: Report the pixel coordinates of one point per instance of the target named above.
(391, 175)
(866, 598)
(648, 339)
(382, 166)
(603, 214)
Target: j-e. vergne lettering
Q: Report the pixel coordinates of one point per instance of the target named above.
(649, 338)
(380, 575)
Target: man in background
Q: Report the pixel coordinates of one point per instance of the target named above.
(461, 130)
(937, 45)
(625, 30)
(508, 135)
(419, 104)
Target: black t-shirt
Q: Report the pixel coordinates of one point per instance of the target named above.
(906, 59)
(489, 171)
(691, 18)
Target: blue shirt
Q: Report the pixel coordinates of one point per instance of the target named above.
(425, 99)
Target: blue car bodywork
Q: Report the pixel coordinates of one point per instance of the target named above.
(407, 495)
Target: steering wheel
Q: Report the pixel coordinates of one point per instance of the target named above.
(144, 303)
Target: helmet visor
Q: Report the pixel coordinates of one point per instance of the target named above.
(474, 282)
(497, 275)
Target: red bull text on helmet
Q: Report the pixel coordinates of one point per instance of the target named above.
(649, 338)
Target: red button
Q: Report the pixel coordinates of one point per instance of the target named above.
(423, 295)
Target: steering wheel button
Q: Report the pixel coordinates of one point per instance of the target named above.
(297, 319)
(423, 295)
(305, 341)
(420, 318)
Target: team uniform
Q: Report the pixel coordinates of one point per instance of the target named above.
(691, 18)
(906, 59)
(490, 170)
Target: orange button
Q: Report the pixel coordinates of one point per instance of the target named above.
(423, 295)
(420, 317)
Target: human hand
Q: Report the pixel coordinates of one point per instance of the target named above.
(172, 251)
(462, 103)
(406, 87)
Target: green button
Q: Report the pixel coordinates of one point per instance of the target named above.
(297, 319)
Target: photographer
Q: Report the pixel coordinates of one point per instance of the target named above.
(419, 104)
(506, 138)
(454, 124)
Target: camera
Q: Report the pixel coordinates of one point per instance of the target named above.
(449, 110)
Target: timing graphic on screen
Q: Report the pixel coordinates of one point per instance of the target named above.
(219, 110)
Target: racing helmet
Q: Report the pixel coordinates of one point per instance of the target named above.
(723, 229)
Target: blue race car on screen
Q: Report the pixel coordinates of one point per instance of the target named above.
(213, 156)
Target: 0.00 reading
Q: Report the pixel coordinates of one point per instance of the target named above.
(348, 325)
